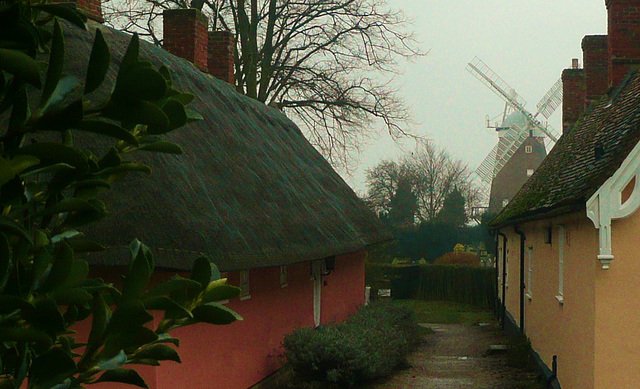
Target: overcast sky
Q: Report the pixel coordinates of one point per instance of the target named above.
(527, 43)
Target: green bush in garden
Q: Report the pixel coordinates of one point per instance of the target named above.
(49, 190)
(368, 345)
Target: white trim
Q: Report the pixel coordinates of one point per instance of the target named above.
(606, 204)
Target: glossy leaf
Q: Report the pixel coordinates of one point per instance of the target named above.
(184, 98)
(109, 129)
(176, 113)
(114, 362)
(20, 112)
(56, 63)
(72, 296)
(201, 271)
(142, 112)
(129, 315)
(86, 245)
(70, 205)
(172, 309)
(130, 56)
(140, 82)
(100, 319)
(28, 335)
(51, 153)
(11, 227)
(193, 115)
(171, 286)
(6, 262)
(64, 12)
(51, 367)
(125, 376)
(99, 61)
(160, 352)
(214, 313)
(162, 147)
(220, 292)
(10, 168)
(139, 274)
(20, 65)
(61, 269)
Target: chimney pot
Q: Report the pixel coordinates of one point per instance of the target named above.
(575, 64)
(185, 35)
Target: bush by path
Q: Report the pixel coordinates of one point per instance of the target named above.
(369, 345)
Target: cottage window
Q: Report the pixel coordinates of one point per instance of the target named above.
(505, 202)
(283, 276)
(528, 149)
(561, 242)
(530, 274)
(529, 172)
(244, 285)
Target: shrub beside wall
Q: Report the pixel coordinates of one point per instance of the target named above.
(368, 345)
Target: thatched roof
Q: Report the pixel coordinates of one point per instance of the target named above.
(250, 191)
(582, 160)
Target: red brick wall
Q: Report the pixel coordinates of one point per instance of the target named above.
(573, 96)
(185, 35)
(91, 8)
(624, 38)
(222, 55)
(595, 56)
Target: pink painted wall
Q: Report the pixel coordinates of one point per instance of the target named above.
(243, 353)
(343, 289)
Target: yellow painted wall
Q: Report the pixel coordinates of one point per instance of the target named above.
(567, 329)
(617, 326)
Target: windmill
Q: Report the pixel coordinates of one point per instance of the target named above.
(520, 133)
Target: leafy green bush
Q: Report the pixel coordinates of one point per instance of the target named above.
(369, 345)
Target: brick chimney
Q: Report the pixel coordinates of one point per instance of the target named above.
(573, 95)
(91, 8)
(595, 56)
(624, 38)
(185, 35)
(222, 56)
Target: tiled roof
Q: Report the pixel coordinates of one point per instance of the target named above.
(249, 190)
(582, 160)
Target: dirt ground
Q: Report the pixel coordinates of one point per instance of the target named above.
(456, 356)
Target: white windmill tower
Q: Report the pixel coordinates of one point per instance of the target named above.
(522, 138)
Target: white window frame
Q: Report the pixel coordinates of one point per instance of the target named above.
(530, 172)
(530, 274)
(244, 285)
(528, 149)
(561, 243)
(283, 277)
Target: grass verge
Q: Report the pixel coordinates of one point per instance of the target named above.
(445, 312)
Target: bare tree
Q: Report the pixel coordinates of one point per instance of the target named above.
(329, 64)
(433, 174)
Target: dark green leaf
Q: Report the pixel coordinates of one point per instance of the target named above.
(193, 115)
(166, 74)
(5, 262)
(113, 363)
(213, 313)
(59, 167)
(140, 82)
(8, 383)
(85, 245)
(140, 270)
(56, 63)
(160, 352)
(70, 205)
(125, 376)
(128, 341)
(201, 271)
(9, 226)
(51, 367)
(20, 112)
(131, 55)
(10, 303)
(173, 285)
(142, 112)
(101, 317)
(20, 65)
(98, 63)
(184, 98)
(72, 296)
(66, 99)
(46, 317)
(162, 147)
(176, 114)
(51, 153)
(129, 315)
(28, 335)
(109, 129)
(10, 168)
(220, 293)
(65, 12)
(61, 269)
(172, 309)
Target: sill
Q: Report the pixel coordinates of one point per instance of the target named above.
(243, 298)
(529, 296)
(560, 299)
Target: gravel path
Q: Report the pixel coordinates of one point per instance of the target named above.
(456, 356)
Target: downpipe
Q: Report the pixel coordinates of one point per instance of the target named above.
(503, 306)
(522, 286)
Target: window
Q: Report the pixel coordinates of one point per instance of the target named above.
(530, 274)
(529, 172)
(283, 276)
(528, 149)
(505, 202)
(561, 242)
(244, 285)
